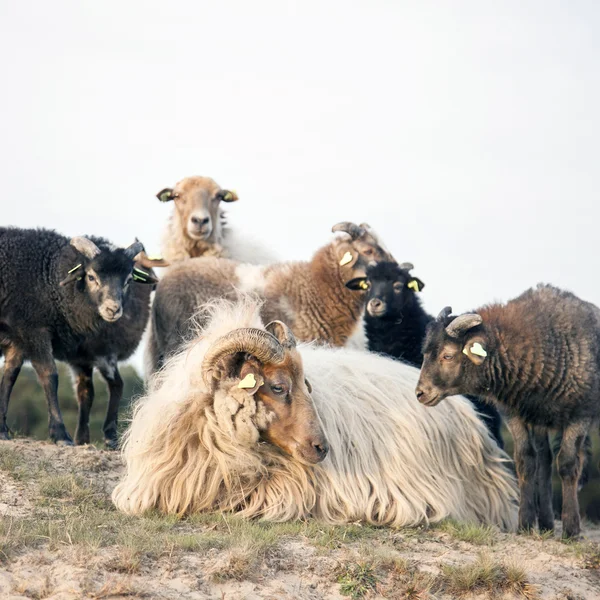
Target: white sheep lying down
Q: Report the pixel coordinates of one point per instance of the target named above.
(391, 460)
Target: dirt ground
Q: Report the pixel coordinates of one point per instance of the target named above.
(61, 539)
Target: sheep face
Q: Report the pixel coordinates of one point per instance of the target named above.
(360, 248)
(103, 276)
(454, 354)
(389, 289)
(197, 206)
(260, 392)
(271, 402)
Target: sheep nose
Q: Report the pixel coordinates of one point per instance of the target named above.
(419, 393)
(199, 222)
(321, 449)
(112, 308)
(376, 303)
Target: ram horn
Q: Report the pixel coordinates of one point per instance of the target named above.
(132, 251)
(261, 344)
(463, 323)
(283, 333)
(85, 246)
(352, 229)
(444, 314)
(406, 266)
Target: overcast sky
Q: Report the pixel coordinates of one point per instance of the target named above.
(466, 133)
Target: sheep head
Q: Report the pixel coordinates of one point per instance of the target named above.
(102, 273)
(197, 206)
(454, 351)
(390, 289)
(359, 248)
(260, 392)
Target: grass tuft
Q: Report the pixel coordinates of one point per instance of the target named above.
(357, 580)
(472, 533)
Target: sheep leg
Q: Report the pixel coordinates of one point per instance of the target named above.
(110, 371)
(569, 468)
(526, 464)
(84, 389)
(545, 512)
(47, 373)
(586, 456)
(13, 360)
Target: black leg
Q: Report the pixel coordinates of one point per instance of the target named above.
(110, 371)
(45, 367)
(545, 512)
(84, 389)
(526, 465)
(13, 360)
(569, 468)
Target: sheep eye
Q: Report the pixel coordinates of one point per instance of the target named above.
(91, 278)
(278, 389)
(448, 356)
(369, 251)
(397, 287)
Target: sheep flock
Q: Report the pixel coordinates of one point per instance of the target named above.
(309, 389)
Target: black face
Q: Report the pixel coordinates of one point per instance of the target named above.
(389, 289)
(106, 280)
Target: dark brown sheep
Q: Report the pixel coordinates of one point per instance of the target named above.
(537, 358)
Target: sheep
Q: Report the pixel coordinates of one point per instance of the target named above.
(395, 323)
(187, 450)
(309, 296)
(69, 300)
(197, 225)
(537, 358)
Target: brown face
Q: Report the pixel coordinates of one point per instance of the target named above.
(197, 201)
(355, 256)
(292, 423)
(450, 366)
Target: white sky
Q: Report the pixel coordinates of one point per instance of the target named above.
(466, 133)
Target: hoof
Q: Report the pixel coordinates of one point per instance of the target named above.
(111, 444)
(4, 435)
(64, 443)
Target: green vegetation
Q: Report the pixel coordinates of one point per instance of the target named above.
(28, 415)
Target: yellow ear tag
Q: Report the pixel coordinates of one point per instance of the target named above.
(155, 257)
(364, 285)
(413, 285)
(248, 382)
(478, 350)
(228, 196)
(346, 259)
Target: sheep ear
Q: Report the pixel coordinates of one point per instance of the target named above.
(141, 276)
(227, 196)
(73, 275)
(250, 379)
(308, 386)
(415, 284)
(358, 284)
(475, 350)
(165, 195)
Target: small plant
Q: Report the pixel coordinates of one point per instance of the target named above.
(357, 580)
(473, 533)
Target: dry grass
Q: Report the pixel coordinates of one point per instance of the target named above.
(357, 580)
(472, 533)
(485, 575)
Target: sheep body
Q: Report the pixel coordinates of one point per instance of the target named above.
(538, 359)
(309, 296)
(42, 320)
(390, 462)
(396, 323)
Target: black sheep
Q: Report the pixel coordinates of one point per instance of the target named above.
(538, 359)
(395, 322)
(69, 300)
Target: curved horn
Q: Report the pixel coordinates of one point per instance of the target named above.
(283, 333)
(257, 342)
(85, 246)
(407, 267)
(353, 230)
(463, 323)
(444, 313)
(132, 251)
